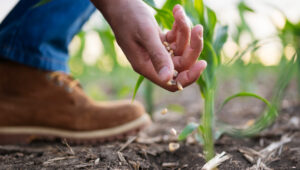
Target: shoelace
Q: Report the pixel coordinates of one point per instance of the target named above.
(60, 78)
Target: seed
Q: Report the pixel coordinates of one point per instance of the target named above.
(168, 48)
(164, 111)
(173, 146)
(171, 53)
(97, 161)
(173, 132)
(171, 82)
(166, 43)
(175, 73)
(179, 86)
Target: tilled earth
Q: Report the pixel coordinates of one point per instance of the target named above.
(151, 152)
(149, 149)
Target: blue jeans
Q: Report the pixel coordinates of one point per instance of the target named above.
(39, 37)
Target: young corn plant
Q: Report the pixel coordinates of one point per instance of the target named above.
(214, 38)
(290, 36)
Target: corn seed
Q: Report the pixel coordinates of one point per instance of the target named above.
(173, 146)
(179, 86)
(175, 73)
(164, 111)
(171, 82)
(173, 132)
(171, 53)
(166, 43)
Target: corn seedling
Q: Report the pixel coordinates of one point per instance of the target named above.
(290, 36)
(209, 129)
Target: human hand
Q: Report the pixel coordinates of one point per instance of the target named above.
(141, 40)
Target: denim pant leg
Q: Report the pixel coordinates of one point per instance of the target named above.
(39, 37)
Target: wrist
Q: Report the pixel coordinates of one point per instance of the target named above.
(114, 10)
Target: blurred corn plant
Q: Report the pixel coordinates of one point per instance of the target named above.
(243, 28)
(290, 37)
(214, 38)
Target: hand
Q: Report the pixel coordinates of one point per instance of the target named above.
(141, 40)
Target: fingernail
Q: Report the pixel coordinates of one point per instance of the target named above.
(164, 73)
(203, 64)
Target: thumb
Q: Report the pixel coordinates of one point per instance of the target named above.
(159, 56)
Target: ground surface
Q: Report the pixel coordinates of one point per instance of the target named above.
(149, 150)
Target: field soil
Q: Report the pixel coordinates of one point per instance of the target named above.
(149, 149)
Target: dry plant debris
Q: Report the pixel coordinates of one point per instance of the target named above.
(135, 165)
(259, 159)
(170, 164)
(64, 141)
(129, 141)
(51, 161)
(121, 158)
(216, 161)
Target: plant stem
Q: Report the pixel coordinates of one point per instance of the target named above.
(208, 124)
(148, 96)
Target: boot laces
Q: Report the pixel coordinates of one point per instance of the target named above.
(64, 78)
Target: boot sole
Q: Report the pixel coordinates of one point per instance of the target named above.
(27, 134)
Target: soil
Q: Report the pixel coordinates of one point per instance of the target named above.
(149, 149)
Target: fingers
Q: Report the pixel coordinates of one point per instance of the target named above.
(171, 35)
(178, 37)
(187, 77)
(159, 56)
(192, 52)
(182, 31)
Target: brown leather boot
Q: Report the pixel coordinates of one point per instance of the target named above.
(37, 104)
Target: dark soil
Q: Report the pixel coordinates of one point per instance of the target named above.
(153, 153)
(150, 150)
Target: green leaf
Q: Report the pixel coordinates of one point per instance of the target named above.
(150, 3)
(242, 6)
(164, 18)
(270, 114)
(199, 138)
(202, 85)
(245, 94)
(220, 39)
(199, 6)
(148, 96)
(169, 4)
(41, 2)
(187, 131)
(192, 13)
(209, 55)
(201, 129)
(210, 24)
(251, 47)
(107, 38)
(259, 124)
(137, 85)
